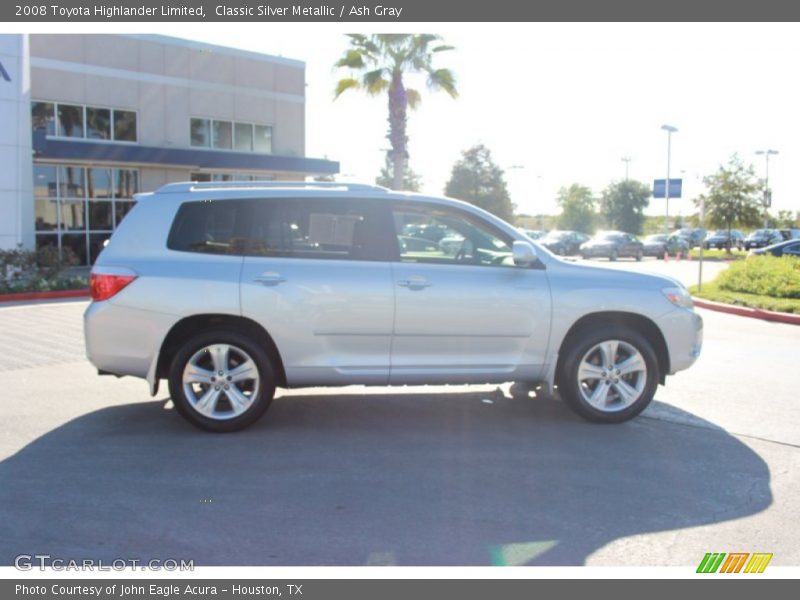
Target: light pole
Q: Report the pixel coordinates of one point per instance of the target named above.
(627, 161)
(767, 196)
(670, 130)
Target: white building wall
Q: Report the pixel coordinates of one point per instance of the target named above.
(16, 165)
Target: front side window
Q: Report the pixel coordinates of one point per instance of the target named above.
(438, 235)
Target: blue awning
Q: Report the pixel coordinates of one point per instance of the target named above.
(94, 151)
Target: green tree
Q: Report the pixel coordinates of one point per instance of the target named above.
(577, 208)
(732, 196)
(786, 219)
(378, 63)
(412, 182)
(623, 205)
(477, 179)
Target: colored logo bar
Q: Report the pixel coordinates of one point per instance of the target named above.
(734, 562)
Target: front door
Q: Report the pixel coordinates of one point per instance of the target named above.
(464, 311)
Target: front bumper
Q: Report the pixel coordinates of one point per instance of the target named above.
(683, 333)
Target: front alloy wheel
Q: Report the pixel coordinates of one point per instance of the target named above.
(609, 376)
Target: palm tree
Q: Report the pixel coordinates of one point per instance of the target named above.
(382, 60)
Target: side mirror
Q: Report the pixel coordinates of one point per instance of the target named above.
(524, 254)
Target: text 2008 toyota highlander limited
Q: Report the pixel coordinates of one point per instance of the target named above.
(229, 290)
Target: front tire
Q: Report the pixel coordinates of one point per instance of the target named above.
(609, 375)
(221, 381)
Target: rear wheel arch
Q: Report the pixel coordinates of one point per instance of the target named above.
(639, 323)
(188, 327)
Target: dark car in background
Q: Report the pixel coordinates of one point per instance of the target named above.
(563, 242)
(694, 236)
(660, 244)
(762, 238)
(613, 245)
(723, 239)
(790, 234)
(787, 248)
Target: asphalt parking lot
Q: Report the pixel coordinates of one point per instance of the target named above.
(92, 467)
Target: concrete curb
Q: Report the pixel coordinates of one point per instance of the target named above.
(44, 295)
(743, 311)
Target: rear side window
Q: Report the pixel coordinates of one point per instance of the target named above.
(335, 229)
(209, 227)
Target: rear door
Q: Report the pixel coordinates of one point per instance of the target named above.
(464, 311)
(318, 279)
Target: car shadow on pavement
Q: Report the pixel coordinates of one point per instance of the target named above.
(434, 478)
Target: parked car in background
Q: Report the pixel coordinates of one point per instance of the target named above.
(534, 234)
(693, 235)
(723, 239)
(660, 244)
(790, 234)
(613, 245)
(785, 248)
(761, 238)
(227, 291)
(563, 242)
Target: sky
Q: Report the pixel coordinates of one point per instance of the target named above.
(557, 103)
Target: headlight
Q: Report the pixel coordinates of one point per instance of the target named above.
(679, 296)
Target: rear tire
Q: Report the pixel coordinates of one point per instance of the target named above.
(221, 381)
(604, 395)
(613, 256)
(639, 256)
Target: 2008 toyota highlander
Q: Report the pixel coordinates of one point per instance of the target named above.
(227, 290)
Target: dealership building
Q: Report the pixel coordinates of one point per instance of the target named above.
(87, 121)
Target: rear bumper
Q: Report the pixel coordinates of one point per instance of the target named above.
(123, 340)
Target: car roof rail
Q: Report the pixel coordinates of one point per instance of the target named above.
(196, 186)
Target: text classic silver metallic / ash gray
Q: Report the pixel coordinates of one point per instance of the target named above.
(227, 290)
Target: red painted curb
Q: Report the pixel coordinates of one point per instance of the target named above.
(743, 311)
(44, 295)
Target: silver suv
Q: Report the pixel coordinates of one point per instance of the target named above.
(229, 290)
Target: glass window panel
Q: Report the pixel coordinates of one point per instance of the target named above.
(47, 243)
(124, 125)
(223, 135)
(44, 181)
(127, 183)
(46, 214)
(200, 132)
(73, 214)
(263, 139)
(96, 244)
(200, 177)
(221, 177)
(100, 215)
(98, 123)
(71, 182)
(122, 208)
(99, 183)
(448, 237)
(73, 249)
(244, 137)
(70, 120)
(43, 116)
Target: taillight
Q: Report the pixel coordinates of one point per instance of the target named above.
(104, 285)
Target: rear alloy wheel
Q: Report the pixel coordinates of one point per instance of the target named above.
(221, 381)
(610, 376)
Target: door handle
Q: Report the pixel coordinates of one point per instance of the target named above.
(414, 284)
(269, 279)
